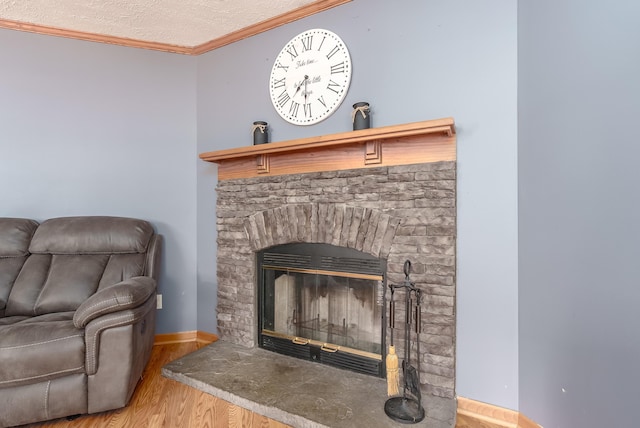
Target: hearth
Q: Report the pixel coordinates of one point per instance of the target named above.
(323, 303)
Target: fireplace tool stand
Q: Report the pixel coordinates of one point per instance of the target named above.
(407, 408)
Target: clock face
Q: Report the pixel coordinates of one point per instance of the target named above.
(310, 77)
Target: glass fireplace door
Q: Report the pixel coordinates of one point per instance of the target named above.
(338, 310)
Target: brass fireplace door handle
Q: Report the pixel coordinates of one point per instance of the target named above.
(327, 348)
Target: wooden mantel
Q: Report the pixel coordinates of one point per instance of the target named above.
(416, 142)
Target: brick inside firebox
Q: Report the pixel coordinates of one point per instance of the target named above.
(397, 213)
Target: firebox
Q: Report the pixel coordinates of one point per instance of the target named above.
(323, 303)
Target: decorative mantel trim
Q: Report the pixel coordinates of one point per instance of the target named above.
(417, 142)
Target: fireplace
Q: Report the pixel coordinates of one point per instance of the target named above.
(323, 303)
(382, 195)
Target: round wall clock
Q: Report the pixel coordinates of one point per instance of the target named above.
(310, 77)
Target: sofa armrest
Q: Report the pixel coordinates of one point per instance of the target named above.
(125, 318)
(124, 295)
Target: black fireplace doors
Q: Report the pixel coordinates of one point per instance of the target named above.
(323, 303)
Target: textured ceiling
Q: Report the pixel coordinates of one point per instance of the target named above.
(175, 22)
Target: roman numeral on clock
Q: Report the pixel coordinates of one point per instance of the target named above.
(333, 52)
(283, 98)
(337, 68)
(322, 42)
(307, 110)
(306, 43)
(293, 52)
(333, 86)
(293, 109)
(282, 67)
(278, 83)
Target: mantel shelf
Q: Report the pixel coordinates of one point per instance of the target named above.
(416, 142)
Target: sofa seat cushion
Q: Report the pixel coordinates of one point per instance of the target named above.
(12, 320)
(40, 348)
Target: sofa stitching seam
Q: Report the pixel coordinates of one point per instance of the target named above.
(39, 343)
(46, 399)
(114, 299)
(43, 375)
(98, 330)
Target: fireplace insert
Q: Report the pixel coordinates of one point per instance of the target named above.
(323, 303)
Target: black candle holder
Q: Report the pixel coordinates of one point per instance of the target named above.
(361, 116)
(260, 132)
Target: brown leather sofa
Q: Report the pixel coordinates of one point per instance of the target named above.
(77, 314)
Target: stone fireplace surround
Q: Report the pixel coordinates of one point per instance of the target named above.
(398, 213)
(390, 207)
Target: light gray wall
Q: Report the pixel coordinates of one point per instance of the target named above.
(418, 61)
(93, 129)
(579, 92)
(80, 122)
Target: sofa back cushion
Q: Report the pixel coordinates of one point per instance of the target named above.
(15, 236)
(73, 257)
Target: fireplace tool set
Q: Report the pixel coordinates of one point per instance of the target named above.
(405, 408)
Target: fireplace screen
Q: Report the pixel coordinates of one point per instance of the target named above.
(323, 303)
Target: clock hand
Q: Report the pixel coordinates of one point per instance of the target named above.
(306, 79)
(301, 83)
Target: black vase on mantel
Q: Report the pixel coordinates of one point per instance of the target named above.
(260, 132)
(361, 116)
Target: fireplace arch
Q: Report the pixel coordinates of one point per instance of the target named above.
(364, 229)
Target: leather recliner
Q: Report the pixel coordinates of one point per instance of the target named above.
(77, 314)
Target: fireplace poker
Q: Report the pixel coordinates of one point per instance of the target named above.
(411, 373)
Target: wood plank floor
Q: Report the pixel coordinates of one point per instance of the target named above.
(161, 402)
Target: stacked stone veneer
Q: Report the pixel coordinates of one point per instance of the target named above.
(397, 213)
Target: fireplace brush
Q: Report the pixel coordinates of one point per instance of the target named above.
(393, 378)
(407, 408)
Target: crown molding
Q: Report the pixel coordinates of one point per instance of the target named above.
(260, 27)
(92, 37)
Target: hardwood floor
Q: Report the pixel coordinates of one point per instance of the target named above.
(161, 402)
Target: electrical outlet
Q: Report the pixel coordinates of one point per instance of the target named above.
(158, 301)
